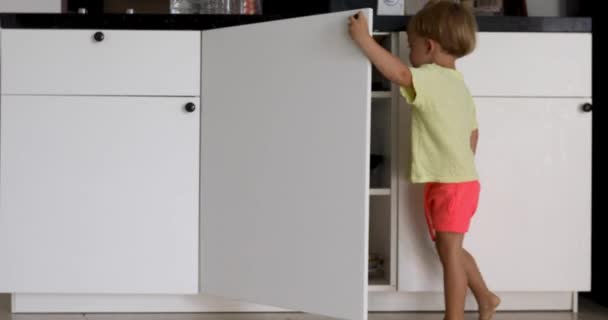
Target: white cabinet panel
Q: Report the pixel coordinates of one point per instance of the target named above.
(529, 65)
(98, 195)
(285, 165)
(532, 231)
(125, 62)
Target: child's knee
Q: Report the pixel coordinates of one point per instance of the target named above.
(449, 245)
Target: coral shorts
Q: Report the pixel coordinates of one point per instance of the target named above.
(449, 207)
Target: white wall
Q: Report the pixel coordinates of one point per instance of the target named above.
(546, 8)
(30, 6)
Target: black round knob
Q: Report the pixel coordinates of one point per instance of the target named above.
(98, 36)
(587, 107)
(190, 107)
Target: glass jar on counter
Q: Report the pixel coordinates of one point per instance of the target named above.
(230, 6)
(250, 6)
(216, 6)
(184, 6)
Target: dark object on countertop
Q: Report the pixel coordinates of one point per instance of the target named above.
(375, 161)
(208, 22)
(307, 7)
(341, 5)
(310, 7)
(516, 8)
(92, 6)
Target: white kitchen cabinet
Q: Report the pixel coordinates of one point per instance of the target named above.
(532, 230)
(264, 200)
(98, 195)
(284, 166)
(382, 203)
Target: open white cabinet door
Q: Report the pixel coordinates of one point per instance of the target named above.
(285, 165)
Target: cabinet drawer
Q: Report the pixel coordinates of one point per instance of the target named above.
(100, 62)
(530, 65)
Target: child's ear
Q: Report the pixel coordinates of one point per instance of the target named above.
(430, 45)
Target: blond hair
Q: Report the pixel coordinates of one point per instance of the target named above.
(449, 23)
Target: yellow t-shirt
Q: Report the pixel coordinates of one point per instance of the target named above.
(443, 118)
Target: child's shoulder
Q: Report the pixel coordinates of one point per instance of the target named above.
(429, 66)
(434, 70)
(433, 67)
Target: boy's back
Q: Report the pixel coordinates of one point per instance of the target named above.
(443, 118)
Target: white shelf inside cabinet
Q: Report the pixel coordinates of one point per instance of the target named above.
(379, 284)
(380, 192)
(381, 288)
(381, 94)
(383, 185)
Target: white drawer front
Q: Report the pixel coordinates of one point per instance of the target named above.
(529, 65)
(72, 62)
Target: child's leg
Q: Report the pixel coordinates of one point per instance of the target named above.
(486, 300)
(449, 247)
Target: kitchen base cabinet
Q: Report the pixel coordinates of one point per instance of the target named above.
(260, 192)
(251, 186)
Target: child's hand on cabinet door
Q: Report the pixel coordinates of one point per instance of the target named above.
(358, 27)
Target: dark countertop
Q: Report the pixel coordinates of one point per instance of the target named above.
(205, 22)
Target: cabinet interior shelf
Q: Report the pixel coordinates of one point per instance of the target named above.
(380, 192)
(377, 284)
(381, 94)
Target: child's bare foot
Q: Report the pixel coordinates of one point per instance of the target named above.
(488, 307)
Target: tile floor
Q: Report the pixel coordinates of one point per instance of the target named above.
(588, 311)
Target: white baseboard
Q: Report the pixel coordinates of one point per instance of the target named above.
(378, 301)
(432, 301)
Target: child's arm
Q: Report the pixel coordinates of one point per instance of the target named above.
(474, 139)
(390, 66)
